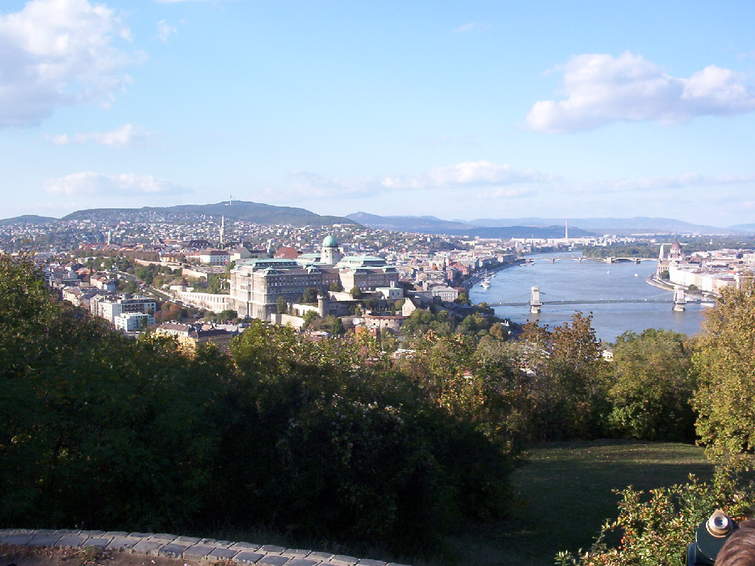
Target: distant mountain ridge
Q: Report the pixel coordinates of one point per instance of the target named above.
(637, 224)
(28, 219)
(258, 213)
(532, 225)
(434, 225)
(744, 227)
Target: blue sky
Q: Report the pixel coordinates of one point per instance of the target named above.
(458, 109)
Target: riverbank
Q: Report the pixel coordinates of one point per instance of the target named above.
(692, 296)
(616, 295)
(478, 276)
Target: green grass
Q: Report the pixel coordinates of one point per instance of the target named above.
(564, 493)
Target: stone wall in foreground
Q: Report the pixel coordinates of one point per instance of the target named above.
(189, 548)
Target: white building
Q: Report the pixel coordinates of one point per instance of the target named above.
(133, 321)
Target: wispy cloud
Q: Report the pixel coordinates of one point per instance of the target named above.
(88, 183)
(469, 27)
(466, 174)
(165, 31)
(601, 89)
(126, 135)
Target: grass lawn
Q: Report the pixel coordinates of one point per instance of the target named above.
(563, 495)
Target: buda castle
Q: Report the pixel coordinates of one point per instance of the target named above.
(256, 284)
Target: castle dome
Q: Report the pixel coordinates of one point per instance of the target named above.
(329, 242)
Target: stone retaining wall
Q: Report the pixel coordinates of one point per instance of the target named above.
(190, 548)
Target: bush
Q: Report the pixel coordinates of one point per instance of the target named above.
(654, 528)
(652, 387)
(724, 361)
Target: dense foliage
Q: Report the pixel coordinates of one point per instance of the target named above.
(654, 528)
(652, 386)
(323, 439)
(725, 364)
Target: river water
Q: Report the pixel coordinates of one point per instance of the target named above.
(583, 282)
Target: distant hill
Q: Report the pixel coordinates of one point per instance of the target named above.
(250, 211)
(433, 225)
(423, 224)
(28, 219)
(638, 224)
(743, 228)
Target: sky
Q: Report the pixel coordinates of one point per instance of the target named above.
(459, 109)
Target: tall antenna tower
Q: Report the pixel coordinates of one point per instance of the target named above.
(230, 200)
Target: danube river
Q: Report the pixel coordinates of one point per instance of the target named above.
(582, 282)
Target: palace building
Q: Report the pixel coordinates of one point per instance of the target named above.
(258, 283)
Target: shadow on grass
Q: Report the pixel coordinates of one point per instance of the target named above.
(564, 493)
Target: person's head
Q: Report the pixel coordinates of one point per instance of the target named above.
(739, 550)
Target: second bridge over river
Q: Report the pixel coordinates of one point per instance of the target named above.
(583, 302)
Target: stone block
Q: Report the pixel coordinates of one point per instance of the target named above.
(93, 533)
(43, 540)
(396, 564)
(172, 550)
(295, 553)
(140, 535)
(223, 553)
(146, 546)
(186, 540)
(303, 562)
(122, 543)
(198, 551)
(323, 556)
(244, 546)
(163, 537)
(116, 534)
(272, 549)
(71, 541)
(368, 562)
(98, 542)
(16, 538)
(342, 560)
(247, 557)
(272, 560)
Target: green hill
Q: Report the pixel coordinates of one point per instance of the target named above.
(250, 211)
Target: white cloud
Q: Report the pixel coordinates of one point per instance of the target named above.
(682, 181)
(126, 135)
(601, 89)
(59, 52)
(165, 31)
(468, 173)
(88, 183)
(470, 26)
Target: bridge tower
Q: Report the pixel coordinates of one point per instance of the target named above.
(535, 302)
(680, 299)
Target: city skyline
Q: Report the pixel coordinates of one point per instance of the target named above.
(458, 111)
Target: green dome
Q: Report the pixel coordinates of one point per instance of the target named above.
(329, 242)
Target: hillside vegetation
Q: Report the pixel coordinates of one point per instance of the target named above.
(334, 440)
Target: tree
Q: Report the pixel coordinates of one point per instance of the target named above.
(281, 305)
(356, 292)
(309, 318)
(652, 386)
(463, 298)
(335, 286)
(309, 296)
(724, 362)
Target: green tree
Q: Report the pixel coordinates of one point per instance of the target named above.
(652, 386)
(335, 286)
(309, 296)
(724, 361)
(356, 293)
(281, 304)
